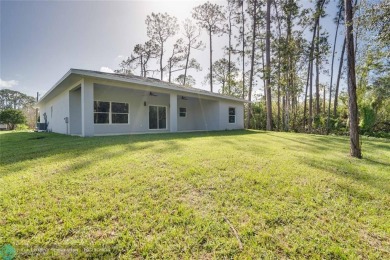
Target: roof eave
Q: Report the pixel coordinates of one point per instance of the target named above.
(54, 86)
(113, 77)
(155, 84)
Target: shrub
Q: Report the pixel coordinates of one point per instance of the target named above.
(22, 127)
(12, 118)
(367, 119)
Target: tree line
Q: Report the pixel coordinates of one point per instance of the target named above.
(17, 108)
(283, 48)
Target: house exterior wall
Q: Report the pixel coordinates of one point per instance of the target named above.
(206, 117)
(139, 113)
(75, 111)
(202, 113)
(56, 110)
(188, 122)
(224, 115)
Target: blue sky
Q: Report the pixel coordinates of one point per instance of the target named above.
(42, 40)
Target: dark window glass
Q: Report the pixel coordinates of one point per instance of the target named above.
(101, 118)
(162, 117)
(120, 118)
(232, 111)
(232, 115)
(157, 117)
(100, 106)
(119, 107)
(182, 111)
(152, 117)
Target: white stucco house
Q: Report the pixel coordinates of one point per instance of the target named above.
(92, 103)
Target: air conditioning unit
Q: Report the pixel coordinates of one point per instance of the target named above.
(41, 127)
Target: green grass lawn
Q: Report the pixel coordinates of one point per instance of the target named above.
(232, 194)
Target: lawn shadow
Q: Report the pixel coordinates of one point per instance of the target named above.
(316, 143)
(372, 161)
(344, 166)
(350, 168)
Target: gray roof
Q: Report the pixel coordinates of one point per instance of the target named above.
(137, 80)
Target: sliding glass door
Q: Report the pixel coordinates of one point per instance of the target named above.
(157, 117)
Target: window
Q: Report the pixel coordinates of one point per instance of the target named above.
(120, 113)
(232, 115)
(157, 117)
(101, 112)
(182, 112)
(110, 112)
(51, 111)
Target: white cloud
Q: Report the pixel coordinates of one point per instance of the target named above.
(8, 83)
(106, 69)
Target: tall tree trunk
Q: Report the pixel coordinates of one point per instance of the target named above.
(336, 94)
(243, 49)
(307, 88)
(284, 112)
(318, 71)
(264, 80)
(287, 110)
(264, 74)
(355, 149)
(229, 55)
(142, 73)
(211, 62)
(309, 84)
(278, 96)
(311, 98)
(170, 70)
(161, 60)
(268, 66)
(279, 61)
(324, 100)
(356, 31)
(252, 62)
(144, 67)
(320, 5)
(187, 60)
(310, 75)
(331, 73)
(289, 86)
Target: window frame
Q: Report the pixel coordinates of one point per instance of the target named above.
(166, 117)
(185, 112)
(128, 113)
(229, 115)
(110, 113)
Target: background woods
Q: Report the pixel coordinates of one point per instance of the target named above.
(279, 56)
